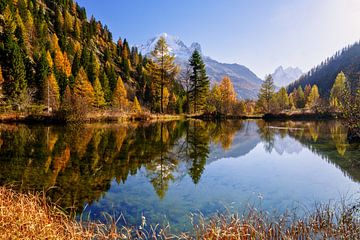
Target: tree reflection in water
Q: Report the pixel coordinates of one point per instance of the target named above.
(76, 164)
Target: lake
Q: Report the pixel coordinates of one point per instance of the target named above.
(166, 171)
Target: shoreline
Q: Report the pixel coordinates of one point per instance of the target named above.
(110, 117)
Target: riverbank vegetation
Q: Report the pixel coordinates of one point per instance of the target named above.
(27, 216)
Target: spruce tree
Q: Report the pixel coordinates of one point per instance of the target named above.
(42, 72)
(199, 83)
(15, 85)
(105, 86)
(266, 94)
(301, 100)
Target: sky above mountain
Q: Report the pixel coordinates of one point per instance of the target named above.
(257, 33)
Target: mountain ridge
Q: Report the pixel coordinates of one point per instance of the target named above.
(285, 76)
(246, 82)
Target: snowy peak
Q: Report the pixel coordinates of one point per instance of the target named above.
(175, 45)
(284, 76)
(246, 83)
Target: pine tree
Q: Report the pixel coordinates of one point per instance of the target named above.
(105, 86)
(161, 68)
(199, 83)
(15, 85)
(300, 98)
(136, 106)
(337, 90)
(99, 94)
(43, 70)
(120, 95)
(266, 94)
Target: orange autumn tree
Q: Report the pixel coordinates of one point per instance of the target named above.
(120, 95)
(83, 90)
(228, 95)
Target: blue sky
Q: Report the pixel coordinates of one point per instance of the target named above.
(260, 34)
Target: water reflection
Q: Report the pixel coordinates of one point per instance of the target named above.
(78, 164)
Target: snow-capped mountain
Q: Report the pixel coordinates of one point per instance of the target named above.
(246, 83)
(283, 77)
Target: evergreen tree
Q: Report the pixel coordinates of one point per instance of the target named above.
(162, 69)
(199, 83)
(15, 85)
(120, 95)
(300, 98)
(105, 86)
(266, 94)
(43, 70)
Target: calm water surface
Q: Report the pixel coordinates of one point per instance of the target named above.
(165, 171)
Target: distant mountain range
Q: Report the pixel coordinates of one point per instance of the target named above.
(284, 76)
(246, 83)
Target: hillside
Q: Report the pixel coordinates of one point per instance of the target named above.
(246, 83)
(47, 46)
(323, 75)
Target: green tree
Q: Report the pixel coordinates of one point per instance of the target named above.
(300, 98)
(15, 85)
(162, 69)
(199, 83)
(266, 93)
(43, 70)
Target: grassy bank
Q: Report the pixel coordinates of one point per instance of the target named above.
(98, 116)
(28, 216)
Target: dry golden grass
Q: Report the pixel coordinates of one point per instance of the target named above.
(326, 222)
(28, 216)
